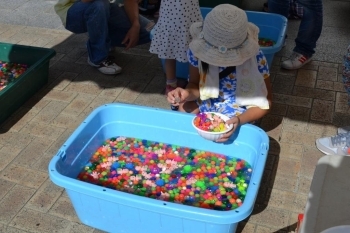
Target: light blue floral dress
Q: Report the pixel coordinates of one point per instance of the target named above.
(225, 103)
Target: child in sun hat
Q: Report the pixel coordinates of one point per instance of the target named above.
(228, 72)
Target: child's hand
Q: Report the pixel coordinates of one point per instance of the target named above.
(177, 96)
(236, 122)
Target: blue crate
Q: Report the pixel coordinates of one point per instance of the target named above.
(272, 26)
(114, 211)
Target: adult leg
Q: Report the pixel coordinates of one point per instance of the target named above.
(119, 25)
(279, 7)
(92, 18)
(310, 27)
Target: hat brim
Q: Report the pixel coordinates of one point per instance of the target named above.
(211, 55)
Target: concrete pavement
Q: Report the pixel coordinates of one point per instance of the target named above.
(308, 103)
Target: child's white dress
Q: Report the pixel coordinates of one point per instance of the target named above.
(171, 34)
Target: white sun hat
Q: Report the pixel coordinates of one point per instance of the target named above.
(225, 38)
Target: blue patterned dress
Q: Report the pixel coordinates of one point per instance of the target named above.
(225, 103)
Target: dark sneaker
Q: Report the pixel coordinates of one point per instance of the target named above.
(106, 67)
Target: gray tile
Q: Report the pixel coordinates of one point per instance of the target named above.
(13, 202)
(36, 221)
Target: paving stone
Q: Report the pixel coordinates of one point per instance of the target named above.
(285, 183)
(301, 138)
(294, 125)
(326, 85)
(278, 109)
(13, 230)
(63, 208)
(23, 176)
(16, 139)
(282, 199)
(19, 119)
(77, 105)
(292, 100)
(131, 92)
(63, 81)
(7, 154)
(341, 104)
(327, 73)
(45, 197)
(304, 184)
(322, 110)
(50, 111)
(245, 227)
(87, 87)
(291, 151)
(272, 124)
(307, 104)
(35, 221)
(5, 187)
(97, 102)
(309, 161)
(69, 121)
(270, 217)
(306, 78)
(33, 152)
(13, 202)
(321, 128)
(42, 130)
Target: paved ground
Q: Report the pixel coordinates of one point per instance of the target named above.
(308, 104)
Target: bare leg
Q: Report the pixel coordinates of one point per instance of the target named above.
(170, 72)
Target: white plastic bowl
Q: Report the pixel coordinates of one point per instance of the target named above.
(212, 136)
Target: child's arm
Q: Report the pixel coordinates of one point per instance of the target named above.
(190, 93)
(193, 84)
(252, 114)
(255, 113)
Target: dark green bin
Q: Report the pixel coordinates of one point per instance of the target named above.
(35, 77)
(214, 3)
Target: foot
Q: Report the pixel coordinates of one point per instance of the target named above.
(295, 61)
(336, 145)
(106, 67)
(150, 26)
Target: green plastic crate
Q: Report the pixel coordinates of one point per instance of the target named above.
(35, 77)
(214, 3)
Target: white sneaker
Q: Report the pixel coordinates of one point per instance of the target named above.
(344, 129)
(295, 61)
(336, 145)
(106, 67)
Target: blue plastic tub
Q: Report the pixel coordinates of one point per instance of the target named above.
(272, 26)
(114, 211)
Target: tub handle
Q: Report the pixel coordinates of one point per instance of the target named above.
(61, 154)
(264, 147)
